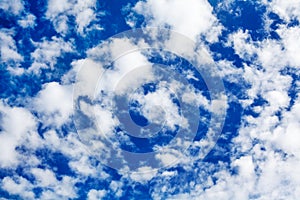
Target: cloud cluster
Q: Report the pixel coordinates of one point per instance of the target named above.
(263, 152)
(191, 18)
(60, 12)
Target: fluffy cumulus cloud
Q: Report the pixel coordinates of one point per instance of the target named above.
(15, 7)
(28, 21)
(191, 18)
(61, 83)
(9, 50)
(96, 194)
(47, 52)
(286, 10)
(18, 186)
(54, 104)
(18, 127)
(60, 12)
(265, 141)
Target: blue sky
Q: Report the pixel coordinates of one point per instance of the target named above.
(191, 99)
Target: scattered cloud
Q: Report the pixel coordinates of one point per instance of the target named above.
(13, 7)
(54, 104)
(191, 18)
(84, 12)
(264, 152)
(47, 52)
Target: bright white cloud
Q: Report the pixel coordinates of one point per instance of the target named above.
(83, 166)
(286, 135)
(44, 177)
(54, 104)
(54, 188)
(116, 187)
(8, 49)
(159, 108)
(64, 189)
(290, 39)
(143, 174)
(287, 10)
(18, 186)
(191, 18)
(96, 194)
(262, 138)
(265, 155)
(18, 128)
(272, 54)
(59, 12)
(46, 53)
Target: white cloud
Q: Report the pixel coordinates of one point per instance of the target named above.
(83, 166)
(127, 60)
(287, 10)
(54, 188)
(27, 21)
(52, 139)
(279, 178)
(84, 18)
(44, 177)
(9, 54)
(105, 119)
(116, 187)
(18, 127)
(277, 99)
(60, 24)
(83, 11)
(64, 189)
(240, 42)
(276, 175)
(72, 147)
(286, 136)
(80, 160)
(119, 78)
(55, 11)
(265, 154)
(70, 76)
(54, 104)
(290, 39)
(96, 194)
(264, 136)
(88, 73)
(268, 58)
(18, 186)
(272, 54)
(245, 167)
(168, 158)
(191, 18)
(159, 108)
(219, 105)
(46, 53)
(13, 7)
(8, 49)
(143, 174)
(55, 7)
